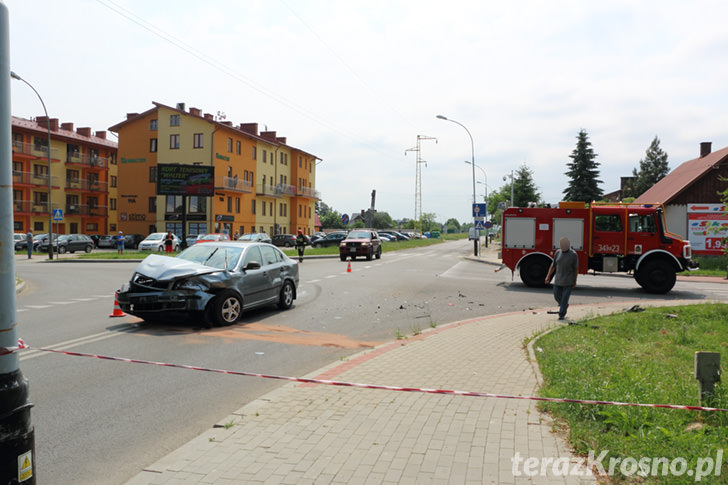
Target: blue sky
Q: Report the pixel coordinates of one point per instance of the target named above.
(355, 82)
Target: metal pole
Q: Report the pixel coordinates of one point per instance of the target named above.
(48, 127)
(511, 188)
(472, 156)
(17, 450)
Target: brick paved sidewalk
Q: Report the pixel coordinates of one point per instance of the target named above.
(304, 433)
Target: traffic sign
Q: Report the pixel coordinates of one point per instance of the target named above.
(57, 214)
(479, 224)
(345, 219)
(488, 224)
(479, 210)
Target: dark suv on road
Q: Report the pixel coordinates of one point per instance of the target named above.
(331, 239)
(361, 242)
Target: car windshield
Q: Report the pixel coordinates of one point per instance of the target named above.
(63, 238)
(246, 237)
(213, 256)
(358, 235)
(155, 237)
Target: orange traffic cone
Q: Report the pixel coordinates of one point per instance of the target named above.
(117, 309)
(348, 266)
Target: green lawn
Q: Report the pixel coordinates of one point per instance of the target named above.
(642, 357)
(709, 266)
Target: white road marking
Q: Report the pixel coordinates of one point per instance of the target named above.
(312, 281)
(38, 307)
(331, 276)
(68, 344)
(60, 302)
(84, 299)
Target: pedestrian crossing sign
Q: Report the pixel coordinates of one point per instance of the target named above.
(57, 214)
(479, 224)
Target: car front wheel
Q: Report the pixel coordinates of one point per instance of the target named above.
(287, 293)
(379, 253)
(226, 309)
(88, 249)
(61, 249)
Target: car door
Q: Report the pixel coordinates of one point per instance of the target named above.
(272, 269)
(255, 285)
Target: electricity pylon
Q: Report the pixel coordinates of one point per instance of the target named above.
(418, 179)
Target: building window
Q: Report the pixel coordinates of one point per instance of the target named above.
(252, 206)
(173, 142)
(263, 208)
(153, 174)
(173, 120)
(272, 158)
(230, 145)
(299, 210)
(198, 205)
(237, 205)
(152, 204)
(113, 180)
(255, 153)
(112, 227)
(300, 162)
(153, 145)
(112, 204)
(174, 203)
(237, 147)
(37, 226)
(199, 140)
(265, 157)
(229, 204)
(152, 125)
(40, 144)
(112, 159)
(40, 170)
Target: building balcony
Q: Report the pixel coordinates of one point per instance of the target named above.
(308, 192)
(33, 150)
(87, 160)
(86, 210)
(90, 185)
(30, 207)
(30, 178)
(279, 190)
(234, 184)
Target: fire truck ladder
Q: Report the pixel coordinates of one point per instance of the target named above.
(418, 179)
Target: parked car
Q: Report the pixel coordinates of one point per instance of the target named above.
(107, 241)
(386, 237)
(397, 235)
(213, 237)
(214, 281)
(284, 240)
(18, 240)
(131, 241)
(69, 243)
(155, 242)
(256, 237)
(361, 242)
(332, 239)
(192, 239)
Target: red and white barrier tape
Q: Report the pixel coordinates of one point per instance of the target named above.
(22, 345)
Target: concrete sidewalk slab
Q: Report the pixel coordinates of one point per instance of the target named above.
(304, 433)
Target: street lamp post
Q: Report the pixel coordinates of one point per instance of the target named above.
(485, 184)
(505, 177)
(48, 126)
(472, 152)
(17, 437)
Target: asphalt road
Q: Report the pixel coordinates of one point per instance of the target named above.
(99, 421)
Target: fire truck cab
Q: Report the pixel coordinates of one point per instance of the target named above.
(608, 238)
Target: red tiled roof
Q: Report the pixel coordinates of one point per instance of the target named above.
(680, 179)
(316, 221)
(71, 135)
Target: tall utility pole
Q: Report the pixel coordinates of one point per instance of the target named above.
(418, 179)
(17, 439)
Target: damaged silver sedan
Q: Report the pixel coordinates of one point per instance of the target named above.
(213, 282)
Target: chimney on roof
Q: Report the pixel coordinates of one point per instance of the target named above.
(54, 124)
(85, 131)
(195, 111)
(209, 117)
(67, 126)
(131, 115)
(101, 134)
(705, 148)
(42, 121)
(251, 128)
(227, 123)
(281, 140)
(268, 135)
(181, 106)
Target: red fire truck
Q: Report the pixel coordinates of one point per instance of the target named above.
(608, 238)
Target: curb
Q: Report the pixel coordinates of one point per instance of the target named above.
(19, 287)
(482, 261)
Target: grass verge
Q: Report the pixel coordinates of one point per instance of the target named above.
(642, 357)
(709, 266)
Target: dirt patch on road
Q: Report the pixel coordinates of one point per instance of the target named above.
(288, 335)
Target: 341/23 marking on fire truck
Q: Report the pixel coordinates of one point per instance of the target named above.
(608, 248)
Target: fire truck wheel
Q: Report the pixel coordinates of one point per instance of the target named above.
(657, 276)
(533, 271)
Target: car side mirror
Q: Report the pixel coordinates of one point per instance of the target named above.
(252, 266)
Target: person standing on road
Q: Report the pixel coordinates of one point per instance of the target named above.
(565, 267)
(29, 240)
(300, 245)
(120, 240)
(168, 242)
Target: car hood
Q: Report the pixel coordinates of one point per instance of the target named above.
(356, 240)
(168, 268)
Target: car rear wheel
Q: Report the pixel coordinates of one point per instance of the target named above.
(225, 309)
(61, 249)
(88, 249)
(534, 270)
(287, 293)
